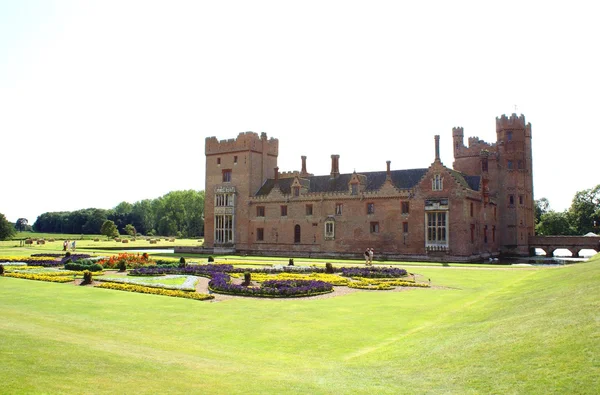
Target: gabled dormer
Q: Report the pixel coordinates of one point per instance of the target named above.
(357, 183)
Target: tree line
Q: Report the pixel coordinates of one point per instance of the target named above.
(178, 213)
(581, 218)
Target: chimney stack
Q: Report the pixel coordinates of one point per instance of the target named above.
(437, 148)
(276, 175)
(335, 166)
(388, 173)
(303, 171)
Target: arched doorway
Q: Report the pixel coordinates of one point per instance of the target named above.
(297, 234)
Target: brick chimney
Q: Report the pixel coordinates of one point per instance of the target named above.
(335, 166)
(437, 148)
(303, 171)
(276, 175)
(388, 172)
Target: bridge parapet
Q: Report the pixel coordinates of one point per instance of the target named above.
(572, 243)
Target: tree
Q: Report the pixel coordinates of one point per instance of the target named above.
(7, 229)
(584, 210)
(109, 229)
(130, 230)
(542, 206)
(21, 224)
(555, 223)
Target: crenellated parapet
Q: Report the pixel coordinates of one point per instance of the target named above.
(476, 145)
(248, 141)
(512, 122)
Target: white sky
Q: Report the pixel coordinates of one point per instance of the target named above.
(110, 101)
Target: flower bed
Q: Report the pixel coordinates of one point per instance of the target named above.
(221, 283)
(373, 272)
(332, 279)
(32, 260)
(196, 270)
(188, 284)
(40, 277)
(384, 284)
(154, 291)
(132, 261)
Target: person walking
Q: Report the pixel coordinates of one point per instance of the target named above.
(367, 256)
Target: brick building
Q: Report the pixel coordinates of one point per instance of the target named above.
(482, 207)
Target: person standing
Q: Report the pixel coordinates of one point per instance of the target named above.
(367, 256)
(371, 252)
(73, 246)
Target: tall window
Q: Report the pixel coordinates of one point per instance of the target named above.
(223, 229)
(520, 165)
(260, 211)
(509, 135)
(354, 189)
(511, 200)
(405, 207)
(297, 234)
(471, 209)
(437, 182)
(472, 233)
(521, 200)
(296, 191)
(224, 200)
(493, 233)
(330, 229)
(338, 208)
(485, 234)
(509, 164)
(436, 228)
(309, 209)
(405, 227)
(370, 208)
(374, 227)
(260, 234)
(227, 175)
(219, 161)
(235, 159)
(284, 211)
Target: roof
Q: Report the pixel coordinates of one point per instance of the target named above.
(402, 179)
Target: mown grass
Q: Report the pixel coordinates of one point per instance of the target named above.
(477, 331)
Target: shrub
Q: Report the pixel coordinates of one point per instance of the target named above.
(68, 254)
(328, 268)
(122, 265)
(211, 259)
(67, 261)
(291, 262)
(125, 241)
(84, 265)
(182, 261)
(247, 279)
(145, 256)
(87, 277)
(270, 289)
(1, 270)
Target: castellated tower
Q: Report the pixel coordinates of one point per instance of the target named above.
(506, 168)
(516, 181)
(235, 170)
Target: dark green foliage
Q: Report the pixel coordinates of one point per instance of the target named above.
(122, 265)
(328, 268)
(80, 266)
(211, 259)
(87, 277)
(7, 229)
(182, 260)
(176, 213)
(291, 262)
(68, 260)
(247, 278)
(68, 254)
(1, 270)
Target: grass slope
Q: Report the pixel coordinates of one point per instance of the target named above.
(484, 331)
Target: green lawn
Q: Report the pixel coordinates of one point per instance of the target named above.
(477, 331)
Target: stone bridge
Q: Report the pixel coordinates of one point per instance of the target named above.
(572, 243)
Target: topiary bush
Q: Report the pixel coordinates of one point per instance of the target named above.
(182, 260)
(328, 268)
(80, 266)
(1, 270)
(247, 278)
(122, 266)
(211, 259)
(291, 262)
(68, 254)
(87, 277)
